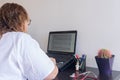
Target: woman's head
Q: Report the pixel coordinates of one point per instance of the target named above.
(13, 18)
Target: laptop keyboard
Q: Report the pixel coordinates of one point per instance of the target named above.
(60, 58)
(63, 58)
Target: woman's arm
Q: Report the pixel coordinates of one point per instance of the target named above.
(54, 73)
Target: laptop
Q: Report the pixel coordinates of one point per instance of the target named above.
(62, 46)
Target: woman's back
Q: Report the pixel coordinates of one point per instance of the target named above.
(9, 57)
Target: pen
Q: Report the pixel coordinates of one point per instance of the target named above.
(82, 60)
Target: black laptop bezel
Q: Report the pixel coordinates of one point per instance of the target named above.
(61, 52)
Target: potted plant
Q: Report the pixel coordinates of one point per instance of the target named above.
(104, 60)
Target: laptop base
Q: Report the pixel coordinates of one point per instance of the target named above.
(67, 64)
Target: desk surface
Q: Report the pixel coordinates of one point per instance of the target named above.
(65, 75)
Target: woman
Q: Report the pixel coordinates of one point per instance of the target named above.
(20, 55)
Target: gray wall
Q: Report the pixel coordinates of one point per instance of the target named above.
(97, 23)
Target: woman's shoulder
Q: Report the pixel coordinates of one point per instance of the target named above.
(18, 36)
(21, 34)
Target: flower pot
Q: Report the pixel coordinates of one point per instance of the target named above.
(105, 65)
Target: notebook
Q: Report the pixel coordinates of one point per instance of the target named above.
(62, 46)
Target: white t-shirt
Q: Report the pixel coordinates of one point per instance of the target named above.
(22, 59)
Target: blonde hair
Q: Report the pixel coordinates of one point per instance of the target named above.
(12, 18)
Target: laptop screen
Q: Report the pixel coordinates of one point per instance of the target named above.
(62, 41)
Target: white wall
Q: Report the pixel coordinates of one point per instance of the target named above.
(97, 23)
